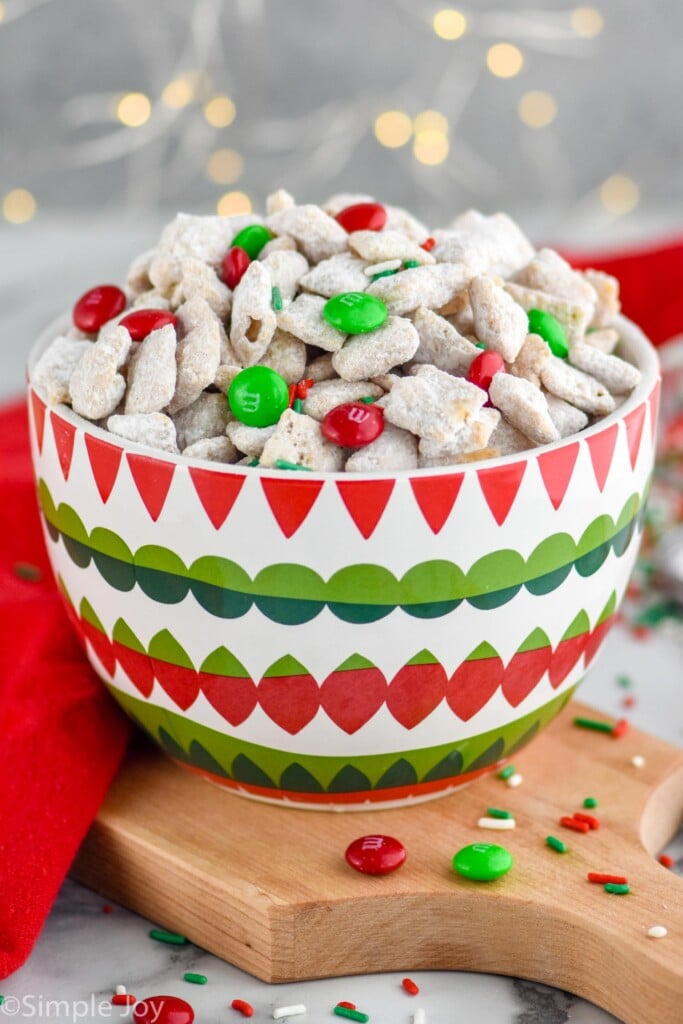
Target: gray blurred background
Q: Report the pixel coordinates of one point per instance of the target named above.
(115, 114)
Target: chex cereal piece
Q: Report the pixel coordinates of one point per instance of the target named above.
(573, 317)
(605, 339)
(459, 313)
(286, 268)
(253, 318)
(317, 234)
(394, 449)
(249, 440)
(215, 449)
(96, 387)
(524, 406)
(340, 200)
(53, 370)
(432, 403)
(279, 200)
(298, 439)
(498, 321)
(320, 368)
(548, 272)
(576, 387)
(567, 418)
(286, 355)
(207, 416)
(608, 305)
(441, 344)
(402, 220)
(304, 319)
(198, 352)
(366, 355)
(530, 358)
(137, 277)
(325, 395)
(280, 243)
(203, 238)
(490, 245)
(225, 375)
(508, 440)
(618, 376)
(387, 245)
(386, 380)
(152, 372)
(153, 429)
(432, 286)
(152, 299)
(342, 273)
(200, 279)
(472, 438)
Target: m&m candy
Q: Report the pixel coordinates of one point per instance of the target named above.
(252, 239)
(362, 217)
(375, 855)
(353, 424)
(97, 306)
(482, 862)
(234, 265)
(551, 330)
(483, 368)
(142, 322)
(258, 396)
(355, 312)
(163, 1010)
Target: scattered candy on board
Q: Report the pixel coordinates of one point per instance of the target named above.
(376, 855)
(163, 1010)
(482, 862)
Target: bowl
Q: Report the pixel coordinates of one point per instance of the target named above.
(335, 640)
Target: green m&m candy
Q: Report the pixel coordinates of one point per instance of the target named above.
(355, 312)
(482, 862)
(258, 396)
(252, 239)
(551, 330)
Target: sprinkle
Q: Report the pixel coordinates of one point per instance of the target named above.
(495, 812)
(624, 681)
(628, 702)
(617, 889)
(500, 824)
(428, 244)
(120, 990)
(556, 844)
(588, 818)
(591, 723)
(410, 987)
(658, 931)
(195, 979)
(665, 860)
(342, 1011)
(569, 821)
(620, 729)
(107, 909)
(419, 1017)
(292, 394)
(515, 780)
(254, 462)
(368, 400)
(506, 772)
(600, 879)
(276, 297)
(2, 999)
(590, 801)
(122, 999)
(288, 1011)
(383, 267)
(170, 938)
(385, 273)
(245, 1008)
(410, 264)
(283, 464)
(347, 1004)
(302, 387)
(638, 761)
(26, 571)
(298, 405)
(480, 344)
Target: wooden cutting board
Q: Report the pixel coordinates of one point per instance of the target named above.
(267, 888)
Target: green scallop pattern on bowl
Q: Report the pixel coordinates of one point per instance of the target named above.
(293, 594)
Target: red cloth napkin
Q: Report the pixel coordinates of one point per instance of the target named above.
(63, 737)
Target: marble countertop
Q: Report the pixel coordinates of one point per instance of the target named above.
(84, 953)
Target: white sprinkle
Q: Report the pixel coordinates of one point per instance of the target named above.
(288, 1011)
(515, 780)
(121, 990)
(658, 931)
(637, 760)
(420, 1017)
(497, 823)
(379, 268)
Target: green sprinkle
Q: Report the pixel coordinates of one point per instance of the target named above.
(2, 999)
(624, 681)
(254, 462)
(617, 890)
(297, 405)
(276, 297)
(410, 264)
(479, 344)
(506, 772)
(283, 464)
(591, 723)
(590, 801)
(343, 1011)
(170, 938)
(556, 844)
(194, 979)
(382, 273)
(368, 400)
(26, 571)
(495, 812)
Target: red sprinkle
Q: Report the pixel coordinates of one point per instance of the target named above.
(577, 826)
(428, 244)
(600, 879)
(234, 265)
(362, 217)
(142, 322)
(640, 632)
(97, 306)
(347, 1005)
(246, 1009)
(292, 395)
(410, 987)
(353, 424)
(123, 1000)
(303, 386)
(107, 909)
(620, 729)
(665, 860)
(376, 855)
(589, 819)
(484, 367)
(629, 702)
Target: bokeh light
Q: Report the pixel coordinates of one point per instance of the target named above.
(220, 111)
(179, 92)
(393, 128)
(449, 23)
(224, 166)
(430, 120)
(431, 147)
(504, 60)
(619, 194)
(537, 109)
(587, 22)
(18, 206)
(233, 203)
(134, 109)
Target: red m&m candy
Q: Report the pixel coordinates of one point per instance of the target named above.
(235, 263)
(97, 306)
(375, 855)
(163, 1010)
(353, 425)
(142, 322)
(362, 217)
(483, 368)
